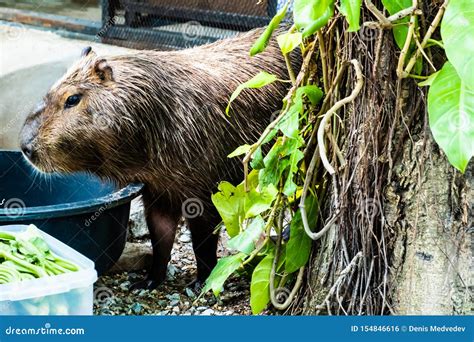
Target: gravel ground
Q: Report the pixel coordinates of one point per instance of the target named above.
(112, 296)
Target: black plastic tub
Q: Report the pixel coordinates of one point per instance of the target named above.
(82, 211)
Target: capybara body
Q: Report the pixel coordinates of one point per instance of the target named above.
(159, 118)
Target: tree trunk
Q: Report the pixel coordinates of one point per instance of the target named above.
(432, 259)
(401, 243)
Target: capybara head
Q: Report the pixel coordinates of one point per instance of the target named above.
(76, 126)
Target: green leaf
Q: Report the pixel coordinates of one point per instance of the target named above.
(245, 241)
(429, 81)
(229, 202)
(223, 270)
(400, 28)
(451, 116)
(289, 41)
(298, 248)
(289, 124)
(310, 15)
(257, 159)
(234, 204)
(258, 81)
(313, 93)
(257, 202)
(457, 30)
(351, 10)
(290, 186)
(239, 151)
(275, 161)
(260, 285)
(262, 42)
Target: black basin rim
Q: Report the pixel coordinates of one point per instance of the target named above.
(117, 198)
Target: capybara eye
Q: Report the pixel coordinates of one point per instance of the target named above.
(72, 101)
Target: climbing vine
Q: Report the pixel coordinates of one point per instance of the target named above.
(274, 215)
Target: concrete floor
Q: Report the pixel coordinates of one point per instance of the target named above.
(30, 62)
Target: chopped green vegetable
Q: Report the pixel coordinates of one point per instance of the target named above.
(26, 256)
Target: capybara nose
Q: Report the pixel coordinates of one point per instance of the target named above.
(27, 150)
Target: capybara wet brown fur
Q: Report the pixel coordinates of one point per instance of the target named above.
(158, 117)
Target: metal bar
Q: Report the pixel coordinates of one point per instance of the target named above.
(146, 39)
(222, 19)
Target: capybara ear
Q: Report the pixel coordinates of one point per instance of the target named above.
(103, 70)
(86, 51)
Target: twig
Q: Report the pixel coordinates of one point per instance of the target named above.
(339, 104)
(290, 69)
(299, 280)
(403, 13)
(322, 50)
(434, 24)
(420, 48)
(403, 54)
(383, 21)
(326, 100)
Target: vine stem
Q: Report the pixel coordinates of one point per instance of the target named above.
(299, 280)
(384, 22)
(434, 24)
(322, 50)
(411, 31)
(275, 122)
(291, 73)
(326, 100)
(332, 110)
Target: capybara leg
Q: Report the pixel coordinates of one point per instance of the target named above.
(162, 222)
(204, 243)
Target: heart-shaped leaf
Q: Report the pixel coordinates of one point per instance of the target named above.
(260, 285)
(451, 116)
(457, 30)
(351, 10)
(223, 270)
(311, 15)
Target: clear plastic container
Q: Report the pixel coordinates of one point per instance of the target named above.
(65, 294)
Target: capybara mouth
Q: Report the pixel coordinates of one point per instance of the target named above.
(37, 163)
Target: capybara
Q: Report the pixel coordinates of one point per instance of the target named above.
(158, 117)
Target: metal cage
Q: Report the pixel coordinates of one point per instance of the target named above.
(175, 24)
